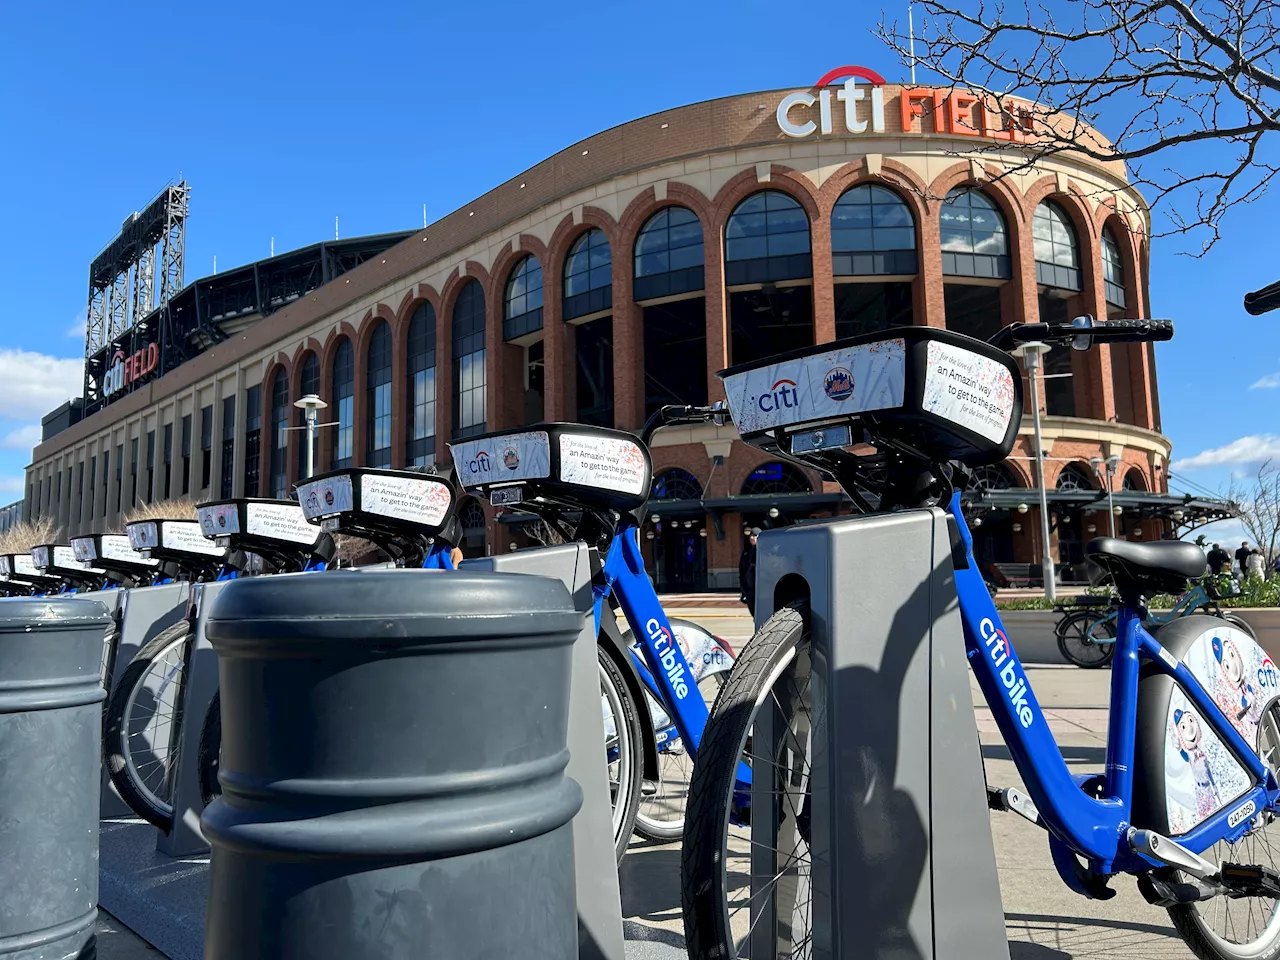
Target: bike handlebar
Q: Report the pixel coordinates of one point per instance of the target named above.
(1264, 300)
(1085, 330)
(673, 413)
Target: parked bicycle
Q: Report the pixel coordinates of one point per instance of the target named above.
(1086, 632)
(1188, 794)
(144, 717)
(591, 484)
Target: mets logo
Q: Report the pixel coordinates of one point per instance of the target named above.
(222, 520)
(511, 458)
(328, 496)
(838, 384)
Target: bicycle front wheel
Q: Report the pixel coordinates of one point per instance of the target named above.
(143, 719)
(1087, 639)
(623, 750)
(731, 879)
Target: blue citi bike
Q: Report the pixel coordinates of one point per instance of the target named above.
(1186, 801)
(591, 484)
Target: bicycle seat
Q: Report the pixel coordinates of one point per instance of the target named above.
(1163, 566)
(923, 390)
(386, 507)
(272, 528)
(565, 463)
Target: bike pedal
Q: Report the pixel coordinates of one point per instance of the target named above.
(648, 788)
(1250, 880)
(1164, 892)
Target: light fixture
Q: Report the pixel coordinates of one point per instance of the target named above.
(688, 524)
(1117, 510)
(977, 522)
(648, 535)
(1178, 515)
(773, 513)
(1091, 528)
(1137, 531)
(702, 532)
(1017, 527)
(655, 518)
(513, 547)
(1023, 508)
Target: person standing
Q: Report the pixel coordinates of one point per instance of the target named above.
(1218, 558)
(747, 571)
(1242, 557)
(1253, 565)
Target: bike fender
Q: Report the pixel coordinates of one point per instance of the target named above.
(610, 638)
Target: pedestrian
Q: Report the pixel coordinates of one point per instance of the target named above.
(747, 571)
(1254, 565)
(1242, 555)
(1218, 558)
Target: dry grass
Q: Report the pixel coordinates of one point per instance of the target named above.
(28, 534)
(180, 509)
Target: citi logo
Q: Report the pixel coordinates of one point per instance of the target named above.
(480, 464)
(1015, 685)
(673, 668)
(849, 92)
(783, 395)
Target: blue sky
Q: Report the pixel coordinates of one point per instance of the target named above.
(281, 119)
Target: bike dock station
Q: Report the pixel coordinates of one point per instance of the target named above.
(902, 857)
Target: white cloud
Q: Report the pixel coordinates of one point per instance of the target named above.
(1270, 382)
(79, 325)
(1251, 449)
(24, 438)
(32, 384)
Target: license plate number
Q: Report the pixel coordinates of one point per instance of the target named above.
(506, 495)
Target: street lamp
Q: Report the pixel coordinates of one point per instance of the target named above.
(311, 405)
(1111, 464)
(1031, 354)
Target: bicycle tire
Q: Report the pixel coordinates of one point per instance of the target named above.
(703, 892)
(145, 802)
(210, 752)
(1239, 623)
(1073, 641)
(625, 791)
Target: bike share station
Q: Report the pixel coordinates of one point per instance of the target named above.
(901, 851)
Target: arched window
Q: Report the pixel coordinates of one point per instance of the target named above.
(468, 362)
(522, 303)
(1134, 480)
(775, 478)
(588, 276)
(343, 405)
(309, 384)
(1075, 477)
(873, 237)
(378, 398)
(994, 476)
(974, 240)
(767, 240)
(676, 484)
(766, 245)
(1056, 250)
(1112, 269)
(471, 518)
(668, 258)
(279, 435)
(420, 445)
(872, 233)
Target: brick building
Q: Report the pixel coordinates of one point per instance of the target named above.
(624, 271)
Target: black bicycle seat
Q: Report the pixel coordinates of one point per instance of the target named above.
(391, 508)
(934, 393)
(566, 463)
(1166, 565)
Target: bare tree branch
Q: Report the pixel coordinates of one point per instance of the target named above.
(1167, 77)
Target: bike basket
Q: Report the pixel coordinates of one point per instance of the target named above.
(394, 502)
(178, 540)
(258, 525)
(21, 566)
(946, 396)
(569, 463)
(112, 551)
(59, 560)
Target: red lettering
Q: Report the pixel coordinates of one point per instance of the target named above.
(913, 102)
(153, 357)
(960, 114)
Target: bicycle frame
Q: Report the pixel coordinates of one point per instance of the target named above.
(1093, 827)
(664, 671)
(1190, 602)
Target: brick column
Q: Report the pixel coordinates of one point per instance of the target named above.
(360, 400)
(824, 296)
(1018, 297)
(716, 302)
(399, 394)
(628, 347)
(555, 343)
(928, 299)
(1095, 394)
(496, 365)
(444, 384)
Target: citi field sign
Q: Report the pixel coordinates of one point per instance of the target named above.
(857, 96)
(124, 370)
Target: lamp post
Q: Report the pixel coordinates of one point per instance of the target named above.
(1112, 463)
(311, 405)
(1031, 354)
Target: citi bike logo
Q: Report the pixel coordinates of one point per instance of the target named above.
(1015, 686)
(783, 395)
(480, 464)
(667, 657)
